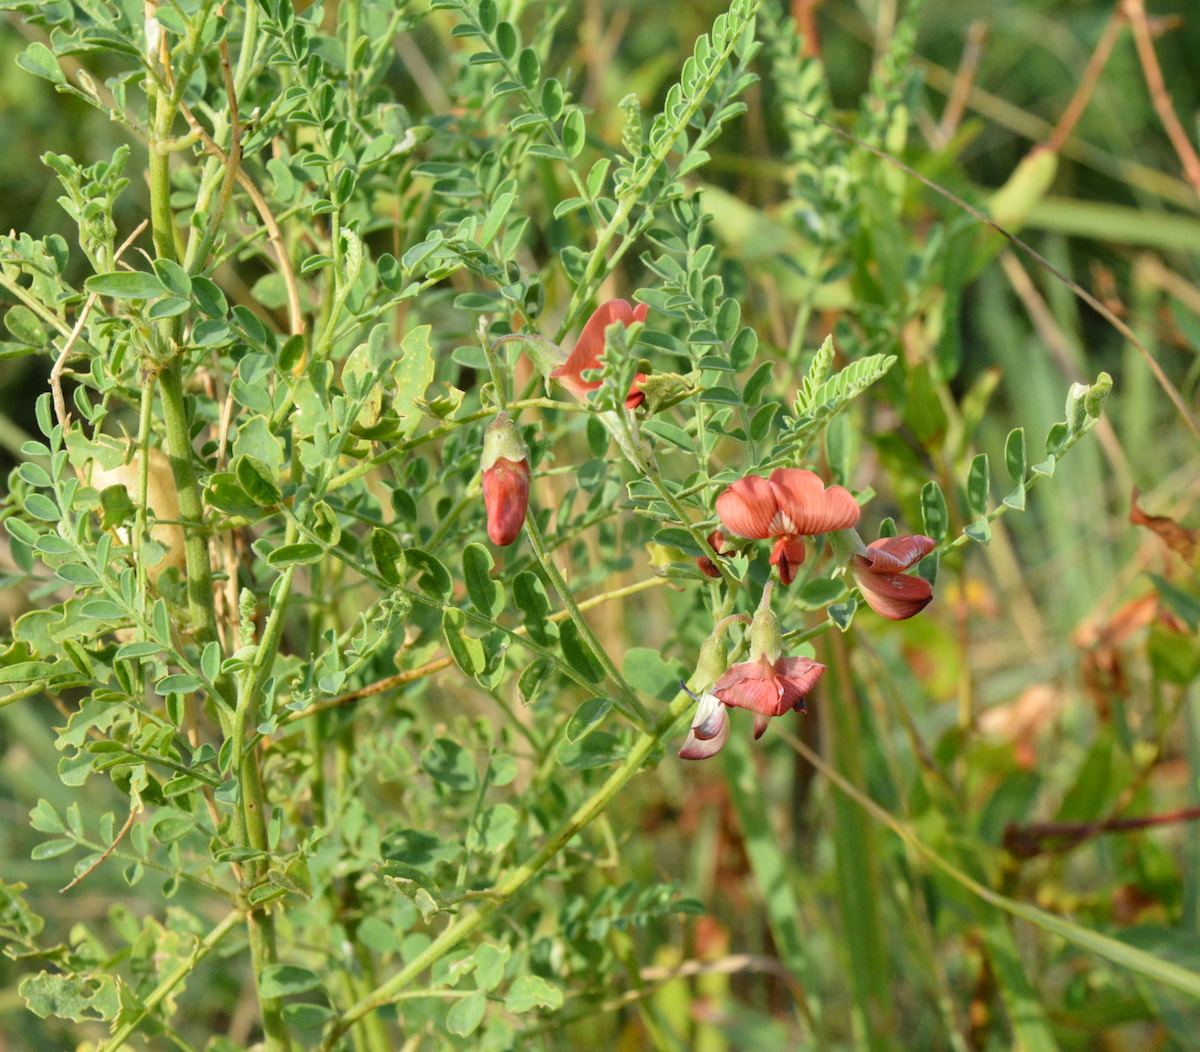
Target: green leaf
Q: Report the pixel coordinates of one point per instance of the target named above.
(530, 597)
(41, 507)
(51, 849)
(677, 537)
(40, 61)
(933, 511)
(493, 829)
(532, 991)
(413, 374)
(449, 764)
(45, 819)
(435, 579)
(485, 594)
(978, 485)
(416, 886)
(283, 980)
(388, 556)
(1185, 605)
(574, 133)
(304, 554)
(126, 285)
(653, 674)
(533, 679)
(489, 965)
(78, 574)
(587, 718)
(180, 683)
(578, 653)
(465, 1016)
(81, 998)
(598, 749)
(466, 651)
(306, 1016)
(257, 480)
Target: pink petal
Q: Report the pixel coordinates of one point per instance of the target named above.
(800, 674)
(711, 718)
(807, 507)
(761, 723)
(787, 554)
(895, 554)
(696, 749)
(754, 685)
(590, 344)
(747, 507)
(896, 596)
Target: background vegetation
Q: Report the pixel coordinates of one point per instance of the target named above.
(979, 837)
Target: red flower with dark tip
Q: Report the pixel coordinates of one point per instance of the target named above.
(769, 688)
(590, 348)
(505, 480)
(880, 573)
(790, 505)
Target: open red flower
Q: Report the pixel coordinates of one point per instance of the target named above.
(790, 505)
(769, 684)
(880, 573)
(768, 688)
(590, 349)
(505, 480)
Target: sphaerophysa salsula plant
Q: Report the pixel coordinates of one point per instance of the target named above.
(318, 500)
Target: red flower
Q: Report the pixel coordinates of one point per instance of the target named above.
(716, 541)
(590, 349)
(505, 467)
(888, 590)
(768, 688)
(791, 504)
(768, 685)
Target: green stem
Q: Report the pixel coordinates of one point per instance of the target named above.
(177, 976)
(628, 702)
(191, 508)
(595, 806)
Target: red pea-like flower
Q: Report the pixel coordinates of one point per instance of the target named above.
(505, 480)
(768, 688)
(880, 573)
(590, 349)
(788, 506)
(769, 685)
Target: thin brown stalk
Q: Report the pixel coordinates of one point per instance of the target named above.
(1087, 83)
(1028, 841)
(274, 234)
(964, 80)
(1135, 11)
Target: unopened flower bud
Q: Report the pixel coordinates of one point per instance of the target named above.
(505, 467)
(766, 639)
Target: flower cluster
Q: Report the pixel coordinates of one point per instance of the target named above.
(784, 508)
(505, 461)
(787, 507)
(769, 685)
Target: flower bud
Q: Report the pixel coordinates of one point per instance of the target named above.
(766, 639)
(505, 467)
